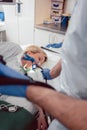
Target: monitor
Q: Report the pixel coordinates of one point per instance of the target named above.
(7, 1)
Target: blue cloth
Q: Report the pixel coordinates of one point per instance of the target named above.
(27, 57)
(14, 90)
(46, 74)
(55, 45)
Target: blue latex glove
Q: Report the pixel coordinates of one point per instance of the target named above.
(46, 74)
(55, 45)
(14, 90)
(27, 57)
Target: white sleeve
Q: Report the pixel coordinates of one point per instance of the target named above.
(74, 56)
(76, 36)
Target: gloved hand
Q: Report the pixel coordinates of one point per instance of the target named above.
(13, 90)
(46, 74)
(55, 45)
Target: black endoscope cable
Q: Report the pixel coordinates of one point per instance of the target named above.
(15, 81)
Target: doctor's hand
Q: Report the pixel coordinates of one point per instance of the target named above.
(41, 121)
(46, 74)
(55, 45)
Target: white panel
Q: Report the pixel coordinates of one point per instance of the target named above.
(19, 26)
(26, 22)
(11, 23)
(43, 37)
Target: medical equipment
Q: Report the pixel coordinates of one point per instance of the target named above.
(9, 107)
(49, 49)
(19, 6)
(34, 66)
(10, 81)
(27, 57)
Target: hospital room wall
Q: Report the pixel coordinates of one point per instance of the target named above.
(19, 26)
(43, 37)
(42, 10)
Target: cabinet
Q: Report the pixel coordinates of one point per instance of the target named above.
(42, 37)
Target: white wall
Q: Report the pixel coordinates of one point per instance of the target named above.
(42, 10)
(19, 27)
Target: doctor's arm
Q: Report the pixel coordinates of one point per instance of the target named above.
(53, 73)
(69, 111)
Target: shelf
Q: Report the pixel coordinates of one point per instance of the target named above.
(52, 28)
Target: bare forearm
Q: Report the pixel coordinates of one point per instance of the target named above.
(55, 71)
(71, 112)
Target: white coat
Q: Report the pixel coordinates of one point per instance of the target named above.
(73, 78)
(74, 56)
